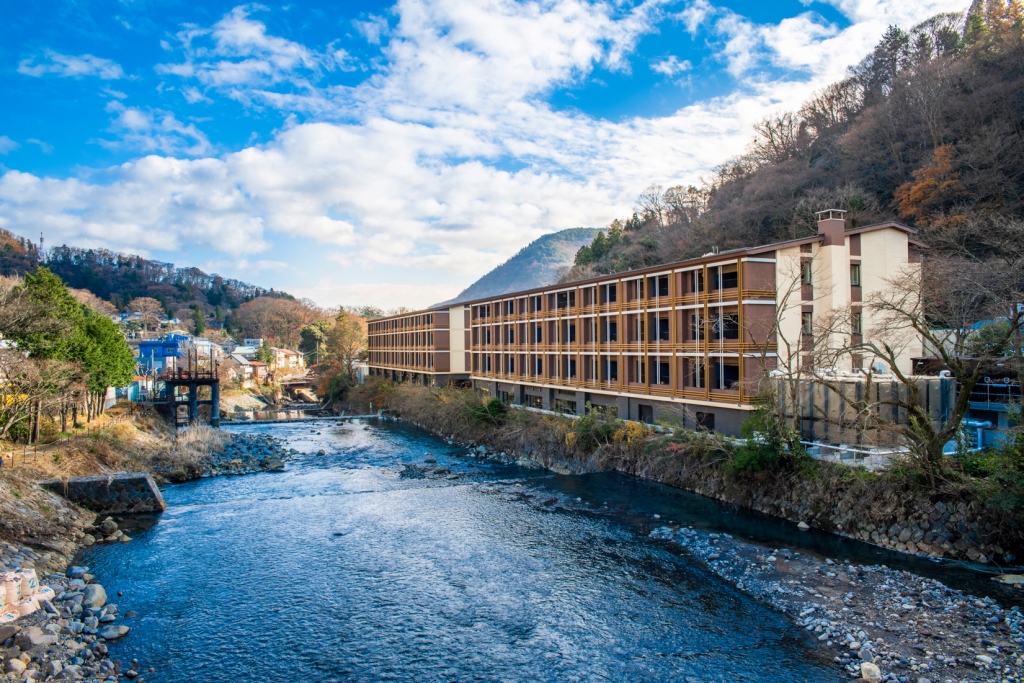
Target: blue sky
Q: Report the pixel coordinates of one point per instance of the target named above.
(387, 153)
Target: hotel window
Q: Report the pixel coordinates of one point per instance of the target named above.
(535, 303)
(487, 335)
(611, 331)
(805, 273)
(855, 275)
(696, 327)
(510, 334)
(487, 363)
(539, 367)
(697, 281)
(509, 307)
(663, 373)
(857, 323)
(730, 326)
(511, 364)
(537, 334)
(608, 294)
(572, 333)
(663, 285)
(641, 371)
(572, 368)
(807, 323)
(662, 329)
(611, 370)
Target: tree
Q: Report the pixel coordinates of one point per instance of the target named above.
(93, 302)
(106, 358)
(55, 336)
(346, 340)
(313, 336)
(149, 309)
(265, 354)
(944, 308)
(198, 320)
(277, 319)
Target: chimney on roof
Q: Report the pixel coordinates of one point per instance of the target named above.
(832, 226)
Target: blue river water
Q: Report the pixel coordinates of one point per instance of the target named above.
(352, 567)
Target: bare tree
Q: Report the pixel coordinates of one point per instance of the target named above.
(650, 205)
(943, 308)
(149, 309)
(778, 138)
(87, 298)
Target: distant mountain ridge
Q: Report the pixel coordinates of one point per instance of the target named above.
(538, 264)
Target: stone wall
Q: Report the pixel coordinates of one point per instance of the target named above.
(121, 493)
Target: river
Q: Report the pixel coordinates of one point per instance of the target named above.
(351, 566)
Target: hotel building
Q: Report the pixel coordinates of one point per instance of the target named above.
(688, 342)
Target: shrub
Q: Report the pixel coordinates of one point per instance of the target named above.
(490, 412)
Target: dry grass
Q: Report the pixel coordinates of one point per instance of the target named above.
(32, 515)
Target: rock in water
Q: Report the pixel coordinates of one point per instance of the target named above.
(802, 526)
(108, 526)
(94, 596)
(113, 632)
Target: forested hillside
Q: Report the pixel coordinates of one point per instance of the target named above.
(927, 129)
(121, 279)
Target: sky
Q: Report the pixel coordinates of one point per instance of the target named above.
(387, 153)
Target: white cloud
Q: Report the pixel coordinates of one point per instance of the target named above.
(193, 95)
(671, 66)
(237, 56)
(71, 66)
(413, 181)
(372, 29)
(7, 145)
(384, 294)
(44, 147)
(154, 131)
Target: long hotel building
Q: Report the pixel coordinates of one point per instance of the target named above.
(686, 341)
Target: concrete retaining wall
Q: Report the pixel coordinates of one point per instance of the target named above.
(126, 492)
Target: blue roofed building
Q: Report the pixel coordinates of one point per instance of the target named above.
(156, 355)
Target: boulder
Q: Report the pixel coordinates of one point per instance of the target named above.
(108, 526)
(94, 596)
(8, 631)
(76, 572)
(870, 672)
(33, 636)
(803, 526)
(113, 632)
(15, 666)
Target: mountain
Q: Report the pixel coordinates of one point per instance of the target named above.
(538, 264)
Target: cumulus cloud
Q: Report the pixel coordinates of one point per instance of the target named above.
(238, 57)
(372, 28)
(671, 66)
(154, 131)
(71, 66)
(407, 170)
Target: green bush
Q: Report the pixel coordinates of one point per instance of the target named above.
(490, 412)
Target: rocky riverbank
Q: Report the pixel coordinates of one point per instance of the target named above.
(913, 629)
